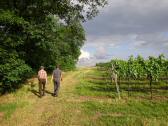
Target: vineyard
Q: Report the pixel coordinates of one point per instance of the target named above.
(136, 74)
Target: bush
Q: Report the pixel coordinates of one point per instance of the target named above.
(15, 71)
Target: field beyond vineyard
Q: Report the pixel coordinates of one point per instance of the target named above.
(86, 99)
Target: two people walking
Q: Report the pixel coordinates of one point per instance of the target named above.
(56, 79)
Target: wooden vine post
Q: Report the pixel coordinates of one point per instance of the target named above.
(114, 78)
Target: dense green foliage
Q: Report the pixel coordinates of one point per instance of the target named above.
(138, 68)
(45, 32)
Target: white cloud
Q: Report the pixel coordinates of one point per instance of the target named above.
(101, 53)
(84, 55)
(138, 44)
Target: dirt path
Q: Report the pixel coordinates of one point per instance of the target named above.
(49, 110)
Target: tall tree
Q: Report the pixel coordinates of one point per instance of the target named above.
(41, 32)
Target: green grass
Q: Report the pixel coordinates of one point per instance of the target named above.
(86, 88)
(132, 111)
(82, 102)
(8, 109)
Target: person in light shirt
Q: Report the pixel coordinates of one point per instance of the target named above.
(42, 77)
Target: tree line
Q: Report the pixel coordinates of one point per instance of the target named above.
(41, 32)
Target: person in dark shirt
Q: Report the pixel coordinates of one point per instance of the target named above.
(56, 78)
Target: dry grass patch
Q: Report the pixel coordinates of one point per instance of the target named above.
(1, 115)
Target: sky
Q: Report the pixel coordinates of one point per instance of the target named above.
(124, 28)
